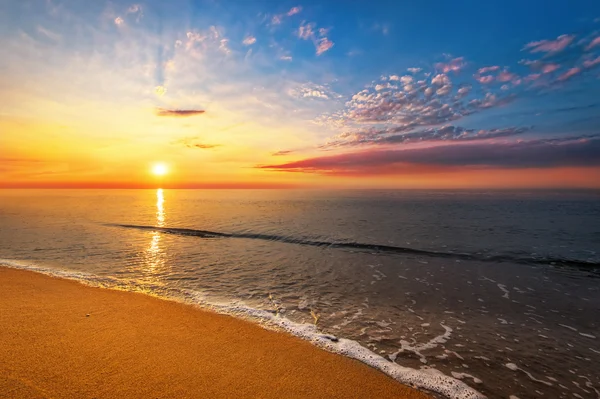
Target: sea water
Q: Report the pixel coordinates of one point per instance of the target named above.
(465, 293)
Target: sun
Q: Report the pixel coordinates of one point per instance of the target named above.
(160, 169)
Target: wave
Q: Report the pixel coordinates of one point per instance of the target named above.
(428, 379)
(530, 260)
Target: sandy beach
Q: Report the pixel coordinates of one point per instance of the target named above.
(62, 339)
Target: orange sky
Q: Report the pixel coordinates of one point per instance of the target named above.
(88, 103)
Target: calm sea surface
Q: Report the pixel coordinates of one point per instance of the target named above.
(498, 289)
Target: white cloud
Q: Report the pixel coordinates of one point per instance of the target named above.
(441, 80)
(249, 40)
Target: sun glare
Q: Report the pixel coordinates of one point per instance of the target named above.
(159, 169)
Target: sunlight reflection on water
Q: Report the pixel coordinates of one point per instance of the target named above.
(155, 256)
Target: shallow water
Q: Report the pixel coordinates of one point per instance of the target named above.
(499, 289)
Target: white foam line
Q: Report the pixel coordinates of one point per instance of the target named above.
(569, 327)
(587, 335)
(460, 376)
(503, 289)
(514, 367)
(405, 346)
(428, 379)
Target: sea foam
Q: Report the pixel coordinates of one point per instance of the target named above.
(428, 379)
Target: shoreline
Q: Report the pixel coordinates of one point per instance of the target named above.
(61, 338)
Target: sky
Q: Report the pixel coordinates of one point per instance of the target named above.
(300, 94)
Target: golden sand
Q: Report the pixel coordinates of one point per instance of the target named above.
(136, 346)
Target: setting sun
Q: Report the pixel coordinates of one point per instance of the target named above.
(160, 169)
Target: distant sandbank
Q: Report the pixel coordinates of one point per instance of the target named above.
(62, 339)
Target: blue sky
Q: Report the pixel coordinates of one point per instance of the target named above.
(304, 80)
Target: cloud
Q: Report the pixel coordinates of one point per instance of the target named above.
(484, 79)
(483, 70)
(49, 34)
(249, 40)
(278, 18)
(445, 133)
(119, 21)
(453, 65)
(324, 45)
(549, 68)
(569, 74)
(193, 142)
(134, 8)
(280, 153)
(199, 42)
(550, 46)
(591, 63)
(463, 91)
(294, 11)
(312, 90)
(593, 43)
(417, 104)
(286, 58)
(178, 112)
(506, 76)
(308, 31)
(565, 152)
(441, 80)
(414, 70)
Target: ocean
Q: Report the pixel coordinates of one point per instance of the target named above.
(497, 289)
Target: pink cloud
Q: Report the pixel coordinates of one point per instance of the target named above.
(591, 63)
(278, 18)
(305, 31)
(492, 68)
(454, 65)
(532, 77)
(441, 80)
(324, 45)
(294, 11)
(506, 76)
(550, 46)
(484, 79)
(593, 43)
(569, 74)
(549, 68)
(249, 40)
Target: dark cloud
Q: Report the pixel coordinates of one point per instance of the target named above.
(178, 112)
(577, 151)
(286, 152)
(204, 146)
(444, 133)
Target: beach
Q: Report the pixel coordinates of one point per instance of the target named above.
(63, 339)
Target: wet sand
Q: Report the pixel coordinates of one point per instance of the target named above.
(62, 339)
